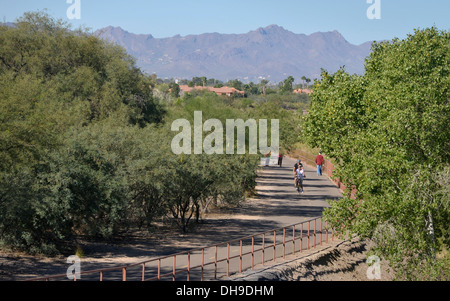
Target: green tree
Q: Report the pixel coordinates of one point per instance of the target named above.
(235, 83)
(175, 90)
(192, 183)
(250, 88)
(290, 122)
(57, 86)
(388, 131)
(308, 80)
(303, 81)
(287, 85)
(263, 85)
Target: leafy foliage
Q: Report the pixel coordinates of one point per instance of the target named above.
(60, 91)
(388, 130)
(85, 145)
(85, 141)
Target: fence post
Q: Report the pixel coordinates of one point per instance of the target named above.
(263, 240)
(321, 230)
(174, 267)
(228, 259)
(253, 250)
(159, 268)
(301, 237)
(240, 256)
(274, 243)
(203, 262)
(215, 263)
(293, 240)
(189, 265)
(309, 224)
(314, 244)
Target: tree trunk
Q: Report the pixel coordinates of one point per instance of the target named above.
(430, 229)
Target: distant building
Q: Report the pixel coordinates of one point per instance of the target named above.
(227, 91)
(300, 91)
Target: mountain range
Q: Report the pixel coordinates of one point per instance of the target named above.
(272, 53)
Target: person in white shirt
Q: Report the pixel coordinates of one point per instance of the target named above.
(300, 176)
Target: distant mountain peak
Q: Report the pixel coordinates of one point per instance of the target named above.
(116, 31)
(114, 28)
(270, 52)
(273, 28)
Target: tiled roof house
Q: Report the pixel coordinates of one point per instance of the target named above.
(227, 91)
(300, 91)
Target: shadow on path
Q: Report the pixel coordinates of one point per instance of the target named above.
(276, 205)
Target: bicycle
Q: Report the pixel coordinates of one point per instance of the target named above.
(298, 185)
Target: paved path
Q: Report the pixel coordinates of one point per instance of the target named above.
(276, 205)
(279, 204)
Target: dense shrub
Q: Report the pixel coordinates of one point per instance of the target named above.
(388, 130)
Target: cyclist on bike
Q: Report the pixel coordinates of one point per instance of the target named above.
(294, 171)
(300, 175)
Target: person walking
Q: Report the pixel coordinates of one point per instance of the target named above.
(280, 158)
(319, 162)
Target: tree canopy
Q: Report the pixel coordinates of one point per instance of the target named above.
(85, 143)
(388, 132)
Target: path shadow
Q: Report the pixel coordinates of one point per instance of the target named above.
(275, 203)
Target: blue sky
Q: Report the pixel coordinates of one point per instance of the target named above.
(166, 18)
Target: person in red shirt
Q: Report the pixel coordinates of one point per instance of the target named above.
(319, 162)
(280, 157)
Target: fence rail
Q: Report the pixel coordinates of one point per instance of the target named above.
(207, 263)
